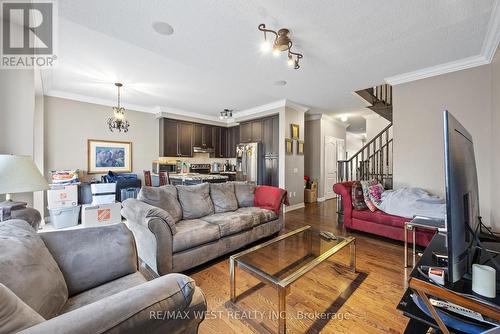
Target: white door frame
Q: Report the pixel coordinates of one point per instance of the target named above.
(327, 192)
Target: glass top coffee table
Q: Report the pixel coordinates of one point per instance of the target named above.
(283, 260)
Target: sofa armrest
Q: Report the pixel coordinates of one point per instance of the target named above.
(344, 189)
(139, 212)
(153, 235)
(168, 304)
(89, 257)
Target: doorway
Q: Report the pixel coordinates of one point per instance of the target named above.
(334, 151)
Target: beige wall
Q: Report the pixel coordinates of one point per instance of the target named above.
(374, 124)
(495, 145)
(69, 124)
(294, 164)
(353, 143)
(17, 115)
(418, 129)
(312, 149)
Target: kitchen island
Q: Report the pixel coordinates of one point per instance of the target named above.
(194, 178)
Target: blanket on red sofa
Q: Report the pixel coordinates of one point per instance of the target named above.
(271, 198)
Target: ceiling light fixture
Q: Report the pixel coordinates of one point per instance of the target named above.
(281, 43)
(118, 121)
(227, 113)
(344, 118)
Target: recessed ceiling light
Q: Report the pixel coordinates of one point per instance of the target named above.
(163, 28)
(344, 118)
(280, 83)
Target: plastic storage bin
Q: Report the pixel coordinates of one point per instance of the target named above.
(64, 217)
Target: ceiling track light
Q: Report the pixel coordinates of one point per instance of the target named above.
(226, 114)
(281, 43)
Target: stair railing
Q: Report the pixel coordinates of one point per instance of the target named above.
(372, 161)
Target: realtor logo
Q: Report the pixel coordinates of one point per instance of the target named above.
(28, 32)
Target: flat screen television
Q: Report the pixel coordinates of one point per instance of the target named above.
(462, 197)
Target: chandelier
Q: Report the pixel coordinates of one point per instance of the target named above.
(227, 113)
(281, 43)
(118, 121)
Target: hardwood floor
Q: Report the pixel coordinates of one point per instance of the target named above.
(329, 299)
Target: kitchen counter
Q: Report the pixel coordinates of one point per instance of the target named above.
(197, 176)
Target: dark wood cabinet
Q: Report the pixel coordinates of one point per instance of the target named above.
(270, 135)
(202, 136)
(185, 139)
(220, 140)
(198, 135)
(233, 139)
(176, 138)
(251, 132)
(246, 132)
(257, 131)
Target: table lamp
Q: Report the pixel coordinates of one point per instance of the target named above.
(18, 174)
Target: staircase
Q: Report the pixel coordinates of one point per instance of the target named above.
(380, 98)
(372, 161)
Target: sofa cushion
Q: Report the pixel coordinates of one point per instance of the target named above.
(244, 193)
(15, 315)
(230, 222)
(260, 216)
(375, 193)
(223, 197)
(28, 269)
(164, 197)
(195, 201)
(103, 291)
(194, 232)
(358, 198)
(379, 217)
(366, 185)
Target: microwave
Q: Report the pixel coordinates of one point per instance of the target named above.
(159, 166)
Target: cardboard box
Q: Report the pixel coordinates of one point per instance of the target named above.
(99, 215)
(62, 196)
(310, 196)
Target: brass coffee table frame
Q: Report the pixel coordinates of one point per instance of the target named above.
(283, 285)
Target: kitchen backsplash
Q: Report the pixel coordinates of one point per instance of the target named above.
(199, 158)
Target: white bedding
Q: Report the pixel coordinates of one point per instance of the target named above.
(408, 202)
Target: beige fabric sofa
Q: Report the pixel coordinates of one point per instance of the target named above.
(167, 244)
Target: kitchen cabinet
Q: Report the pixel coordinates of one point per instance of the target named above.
(176, 138)
(233, 139)
(185, 139)
(220, 136)
(270, 135)
(202, 135)
(251, 132)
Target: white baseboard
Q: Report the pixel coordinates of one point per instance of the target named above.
(321, 199)
(294, 207)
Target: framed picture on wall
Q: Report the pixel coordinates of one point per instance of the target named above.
(105, 155)
(300, 147)
(294, 130)
(288, 146)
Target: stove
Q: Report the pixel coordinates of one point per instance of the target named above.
(200, 168)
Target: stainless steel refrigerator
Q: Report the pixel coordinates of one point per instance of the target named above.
(247, 162)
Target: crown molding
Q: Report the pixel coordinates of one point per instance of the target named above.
(490, 43)
(488, 49)
(453, 66)
(261, 110)
(296, 106)
(94, 100)
(166, 112)
(314, 117)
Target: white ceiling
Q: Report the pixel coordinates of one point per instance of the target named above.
(213, 61)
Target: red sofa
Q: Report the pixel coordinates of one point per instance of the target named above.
(377, 222)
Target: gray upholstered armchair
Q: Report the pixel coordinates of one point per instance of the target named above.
(87, 281)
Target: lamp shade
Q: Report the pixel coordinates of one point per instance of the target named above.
(19, 174)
